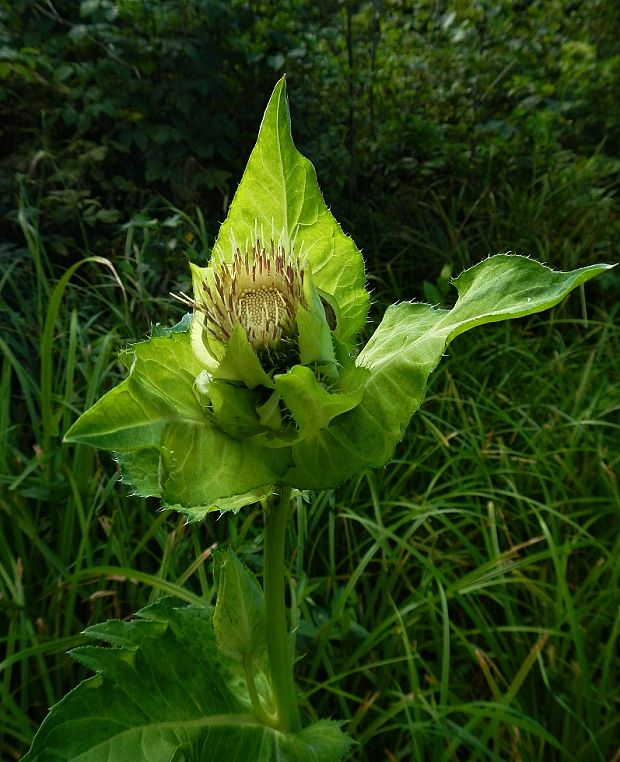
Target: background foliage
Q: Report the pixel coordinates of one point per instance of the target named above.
(441, 132)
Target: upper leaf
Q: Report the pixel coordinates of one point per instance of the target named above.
(169, 445)
(405, 349)
(279, 196)
(217, 415)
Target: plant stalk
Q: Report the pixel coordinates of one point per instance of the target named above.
(280, 666)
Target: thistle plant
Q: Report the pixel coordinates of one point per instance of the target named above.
(259, 394)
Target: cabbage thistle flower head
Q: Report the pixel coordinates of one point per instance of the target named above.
(260, 290)
(262, 385)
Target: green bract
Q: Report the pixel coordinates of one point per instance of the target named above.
(261, 388)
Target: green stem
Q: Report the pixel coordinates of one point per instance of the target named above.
(280, 667)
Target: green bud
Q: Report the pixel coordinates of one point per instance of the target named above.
(258, 318)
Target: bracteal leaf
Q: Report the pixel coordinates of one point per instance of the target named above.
(312, 404)
(405, 349)
(280, 196)
(241, 364)
(165, 440)
(234, 409)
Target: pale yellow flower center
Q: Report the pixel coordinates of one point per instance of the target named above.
(260, 290)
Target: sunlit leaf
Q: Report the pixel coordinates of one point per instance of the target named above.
(404, 350)
(279, 194)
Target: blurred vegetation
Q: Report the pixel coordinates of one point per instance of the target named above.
(494, 125)
(441, 132)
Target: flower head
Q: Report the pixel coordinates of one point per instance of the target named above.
(260, 290)
(260, 387)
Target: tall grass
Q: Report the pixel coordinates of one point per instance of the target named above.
(562, 210)
(471, 609)
(460, 604)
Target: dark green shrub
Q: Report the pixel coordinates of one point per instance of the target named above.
(106, 104)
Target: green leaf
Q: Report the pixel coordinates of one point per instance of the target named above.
(234, 503)
(134, 414)
(239, 618)
(404, 350)
(164, 692)
(240, 362)
(324, 742)
(166, 442)
(279, 195)
(184, 325)
(312, 405)
(315, 341)
(234, 409)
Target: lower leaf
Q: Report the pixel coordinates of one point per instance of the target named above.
(163, 691)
